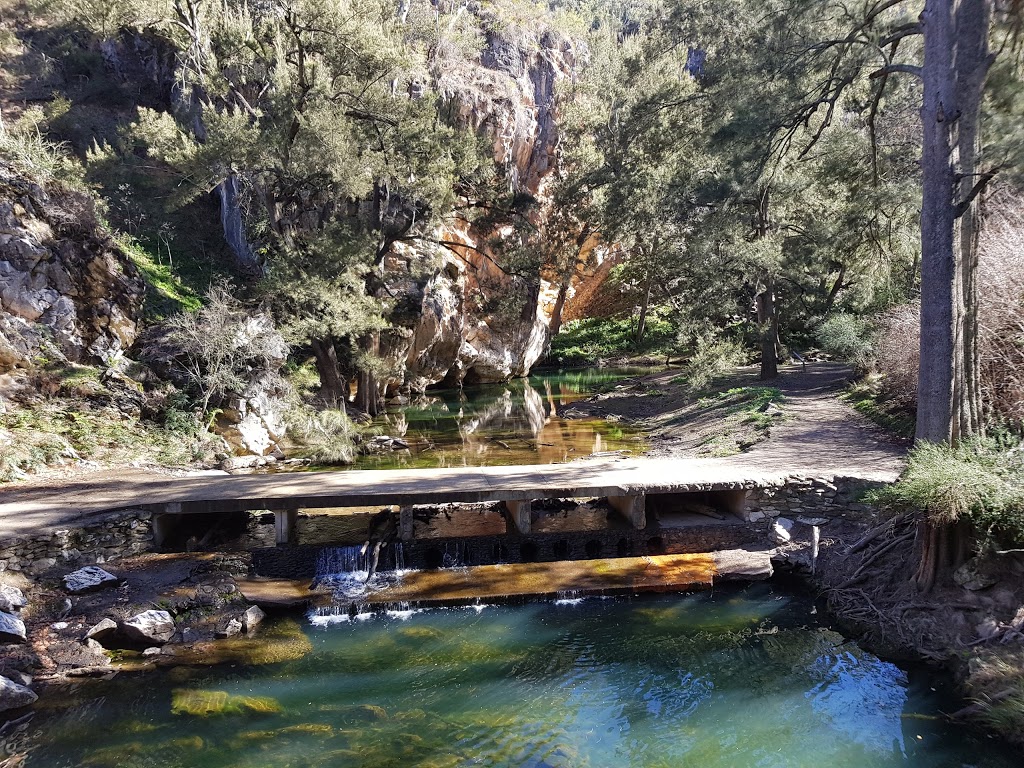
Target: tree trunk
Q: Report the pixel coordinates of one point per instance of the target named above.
(973, 62)
(768, 324)
(333, 387)
(956, 63)
(367, 390)
(645, 304)
(940, 380)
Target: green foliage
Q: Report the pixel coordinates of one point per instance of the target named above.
(846, 337)
(711, 358)
(24, 145)
(982, 482)
(325, 437)
(586, 341)
(166, 293)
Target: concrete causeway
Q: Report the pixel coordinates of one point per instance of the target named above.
(34, 508)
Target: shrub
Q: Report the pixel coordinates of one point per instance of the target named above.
(979, 481)
(847, 337)
(324, 437)
(897, 354)
(712, 357)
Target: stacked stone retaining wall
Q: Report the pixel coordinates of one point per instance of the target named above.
(121, 534)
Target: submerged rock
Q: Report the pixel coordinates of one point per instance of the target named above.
(212, 703)
(11, 599)
(88, 579)
(14, 695)
(149, 627)
(12, 629)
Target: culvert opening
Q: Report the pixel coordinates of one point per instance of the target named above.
(528, 552)
(561, 549)
(655, 546)
(593, 548)
(433, 558)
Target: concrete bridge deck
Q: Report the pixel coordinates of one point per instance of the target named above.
(32, 509)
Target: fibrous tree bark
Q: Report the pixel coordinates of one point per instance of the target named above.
(956, 63)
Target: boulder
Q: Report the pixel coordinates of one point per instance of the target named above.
(14, 695)
(232, 628)
(12, 629)
(972, 575)
(102, 631)
(11, 599)
(88, 579)
(252, 616)
(781, 531)
(149, 628)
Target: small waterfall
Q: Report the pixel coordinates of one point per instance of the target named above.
(454, 555)
(568, 597)
(344, 572)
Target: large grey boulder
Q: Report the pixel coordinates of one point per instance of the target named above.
(88, 579)
(12, 629)
(149, 627)
(14, 695)
(11, 599)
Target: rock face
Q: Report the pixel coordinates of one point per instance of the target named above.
(14, 695)
(470, 321)
(67, 291)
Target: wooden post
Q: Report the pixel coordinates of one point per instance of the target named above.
(284, 525)
(517, 516)
(405, 523)
(632, 507)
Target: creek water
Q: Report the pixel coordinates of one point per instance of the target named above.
(740, 677)
(517, 422)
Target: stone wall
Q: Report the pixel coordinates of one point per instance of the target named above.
(809, 498)
(118, 535)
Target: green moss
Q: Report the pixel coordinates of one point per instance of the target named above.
(166, 293)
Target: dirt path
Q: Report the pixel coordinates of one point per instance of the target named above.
(803, 426)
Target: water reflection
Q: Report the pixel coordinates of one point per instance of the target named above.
(736, 678)
(503, 424)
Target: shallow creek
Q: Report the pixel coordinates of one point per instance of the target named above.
(738, 677)
(517, 422)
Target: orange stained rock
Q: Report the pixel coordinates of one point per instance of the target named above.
(624, 575)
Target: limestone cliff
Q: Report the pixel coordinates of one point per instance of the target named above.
(474, 321)
(67, 291)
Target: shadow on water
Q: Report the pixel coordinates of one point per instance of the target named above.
(517, 422)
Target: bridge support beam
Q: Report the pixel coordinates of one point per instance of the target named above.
(164, 524)
(284, 525)
(632, 507)
(733, 502)
(405, 523)
(517, 516)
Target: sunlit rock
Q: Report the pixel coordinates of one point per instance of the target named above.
(14, 695)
